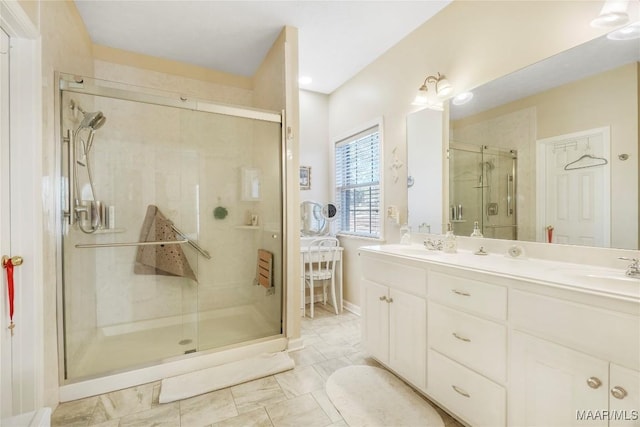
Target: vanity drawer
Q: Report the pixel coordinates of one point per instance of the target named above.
(399, 276)
(477, 343)
(475, 399)
(603, 333)
(472, 295)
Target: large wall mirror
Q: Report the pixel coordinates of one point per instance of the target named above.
(550, 152)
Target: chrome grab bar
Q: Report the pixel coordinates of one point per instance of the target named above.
(117, 245)
(192, 243)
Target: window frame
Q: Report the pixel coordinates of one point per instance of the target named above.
(341, 138)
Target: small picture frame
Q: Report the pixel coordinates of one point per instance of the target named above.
(305, 177)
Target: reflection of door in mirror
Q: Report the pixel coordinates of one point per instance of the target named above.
(482, 188)
(424, 168)
(573, 188)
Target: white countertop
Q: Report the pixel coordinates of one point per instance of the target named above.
(600, 280)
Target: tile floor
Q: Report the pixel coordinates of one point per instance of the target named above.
(292, 398)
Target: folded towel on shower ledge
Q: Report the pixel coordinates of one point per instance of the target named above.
(165, 260)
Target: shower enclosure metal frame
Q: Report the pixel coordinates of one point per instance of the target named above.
(510, 187)
(124, 91)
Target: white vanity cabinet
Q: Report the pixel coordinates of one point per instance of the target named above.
(572, 364)
(394, 320)
(508, 347)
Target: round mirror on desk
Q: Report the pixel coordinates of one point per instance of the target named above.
(315, 217)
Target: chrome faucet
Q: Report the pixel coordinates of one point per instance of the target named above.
(433, 245)
(633, 270)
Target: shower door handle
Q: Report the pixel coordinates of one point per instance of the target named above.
(509, 194)
(71, 160)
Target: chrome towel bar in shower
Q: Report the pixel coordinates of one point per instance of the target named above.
(116, 244)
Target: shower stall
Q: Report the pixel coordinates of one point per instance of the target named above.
(482, 188)
(165, 203)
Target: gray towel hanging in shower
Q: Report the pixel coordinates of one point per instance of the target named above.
(165, 260)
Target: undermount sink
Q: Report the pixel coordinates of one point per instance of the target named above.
(609, 278)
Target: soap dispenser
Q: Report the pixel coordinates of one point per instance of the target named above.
(405, 232)
(449, 244)
(476, 230)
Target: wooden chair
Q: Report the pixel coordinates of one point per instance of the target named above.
(319, 261)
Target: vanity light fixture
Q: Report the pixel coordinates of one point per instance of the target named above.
(613, 14)
(443, 89)
(630, 32)
(462, 98)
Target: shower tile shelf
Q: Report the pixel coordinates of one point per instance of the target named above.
(248, 227)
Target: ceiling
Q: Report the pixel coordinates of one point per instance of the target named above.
(594, 57)
(337, 38)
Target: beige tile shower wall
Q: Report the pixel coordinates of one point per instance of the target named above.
(513, 131)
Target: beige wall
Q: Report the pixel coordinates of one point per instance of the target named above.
(607, 99)
(471, 42)
(65, 47)
(314, 145)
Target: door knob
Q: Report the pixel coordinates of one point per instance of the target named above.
(618, 392)
(15, 260)
(594, 382)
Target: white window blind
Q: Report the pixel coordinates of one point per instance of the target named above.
(358, 183)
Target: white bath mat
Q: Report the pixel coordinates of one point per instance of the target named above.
(222, 376)
(370, 396)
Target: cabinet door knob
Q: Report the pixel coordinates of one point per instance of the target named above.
(389, 300)
(383, 298)
(460, 337)
(618, 392)
(594, 382)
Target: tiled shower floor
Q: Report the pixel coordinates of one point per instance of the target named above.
(292, 398)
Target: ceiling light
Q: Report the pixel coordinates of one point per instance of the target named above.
(305, 80)
(462, 98)
(443, 89)
(630, 32)
(613, 14)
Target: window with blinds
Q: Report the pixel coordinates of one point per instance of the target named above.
(357, 169)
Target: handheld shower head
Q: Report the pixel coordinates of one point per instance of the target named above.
(93, 121)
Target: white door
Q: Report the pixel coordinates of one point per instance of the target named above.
(375, 320)
(552, 385)
(5, 225)
(573, 193)
(408, 336)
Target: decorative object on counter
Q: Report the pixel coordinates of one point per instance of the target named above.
(220, 212)
(433, 245)
(449, 244)
(476, 230)
(549, 233)
(405, 233)
(305, 177)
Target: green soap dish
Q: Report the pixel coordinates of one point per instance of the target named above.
(220, 212)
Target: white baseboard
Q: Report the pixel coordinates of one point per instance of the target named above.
(355, 309)
(295, 344)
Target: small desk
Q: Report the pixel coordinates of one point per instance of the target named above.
(304, 243)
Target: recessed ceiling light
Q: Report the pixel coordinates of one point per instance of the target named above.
(305, 80)
(462, 98)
